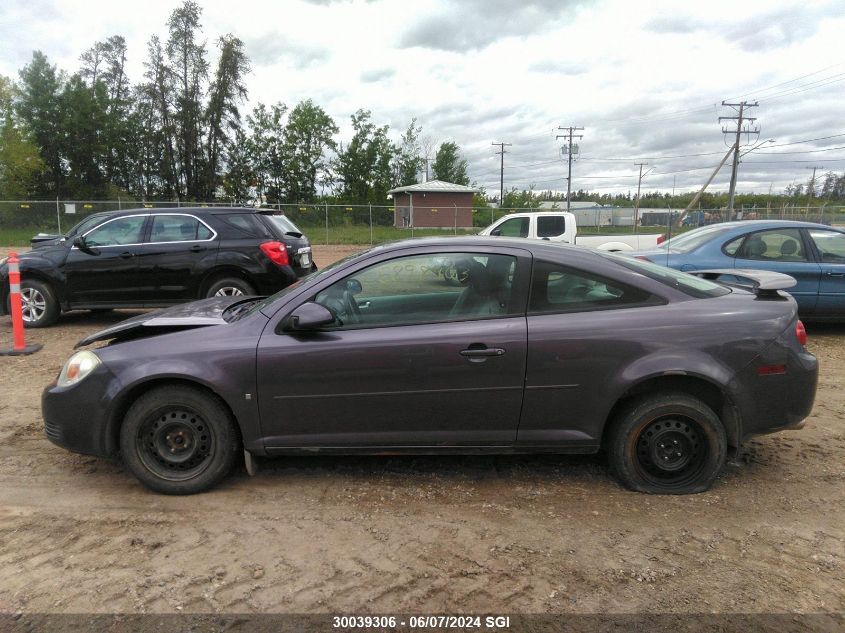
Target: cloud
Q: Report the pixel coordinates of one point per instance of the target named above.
(476, 24)
(377, 74)
(675, 24)
(559, 67)
(271, 48)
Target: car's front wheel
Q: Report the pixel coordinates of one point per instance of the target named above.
(667, 444)
(40, 306)
(229, 287)
(178, 440)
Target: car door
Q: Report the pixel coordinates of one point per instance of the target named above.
(577, 339)
(170, 261)
(830, 252)
(783, 250)
(513, 227)
(106, 271)
(410, 361)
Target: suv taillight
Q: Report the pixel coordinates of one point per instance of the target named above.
(277, 252)
(801, 332)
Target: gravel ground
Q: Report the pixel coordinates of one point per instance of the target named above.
(526, 534)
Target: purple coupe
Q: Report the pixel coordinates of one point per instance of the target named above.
(538, 348)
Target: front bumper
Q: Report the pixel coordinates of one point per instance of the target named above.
(77, 417)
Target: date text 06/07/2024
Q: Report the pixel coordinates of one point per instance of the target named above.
(421, 621)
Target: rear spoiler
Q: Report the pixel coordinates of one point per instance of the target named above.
(764, 283)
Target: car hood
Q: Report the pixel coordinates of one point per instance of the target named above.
(203, 313)
(41, 240)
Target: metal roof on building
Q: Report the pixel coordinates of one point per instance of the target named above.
(434, 186)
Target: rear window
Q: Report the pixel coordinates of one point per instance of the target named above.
(688, 284)
(284, 223)
(690, 241)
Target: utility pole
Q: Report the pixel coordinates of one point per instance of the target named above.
(742, 105)
(569, 135)
(427, 160)
(637, 202)
(502, 152)
(812, 185)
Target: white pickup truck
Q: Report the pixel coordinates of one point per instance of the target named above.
(560, 226)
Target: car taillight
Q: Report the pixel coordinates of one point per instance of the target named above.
(801, 332)
(277, 253)
(661, 238)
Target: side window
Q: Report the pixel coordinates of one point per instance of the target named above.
(551, 226)
(245, 225)
(515, 227)
(178, 228)
(831, 245)
(555, 288)
(732, 247)
(782, 245)
(419, 289)
(117, 232)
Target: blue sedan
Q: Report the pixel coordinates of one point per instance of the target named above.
(814, 254)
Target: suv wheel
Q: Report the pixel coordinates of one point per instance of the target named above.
(178, 440)
(40, 307)
(667, 444)
(229, 287)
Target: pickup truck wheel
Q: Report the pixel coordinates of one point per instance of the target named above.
(40, 307)
(667, 444)
(229, 287)
(178, 440)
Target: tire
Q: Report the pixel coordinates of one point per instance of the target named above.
(178, 440)
(229, 287)
(667, 444)
(40, 306)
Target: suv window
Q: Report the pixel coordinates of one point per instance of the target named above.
(178, 228)
(556, 288)
(118, 232)
(550, 225)
(411, 290)
(782, 245)
(830, 244)
(245, 225)
(514, 227)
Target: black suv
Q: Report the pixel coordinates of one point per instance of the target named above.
(149, 258)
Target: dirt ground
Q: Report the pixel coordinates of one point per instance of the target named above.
(527, 534)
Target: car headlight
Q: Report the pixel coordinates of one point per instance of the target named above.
(78, 367)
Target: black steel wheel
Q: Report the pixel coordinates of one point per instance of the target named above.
(178, 440)
(667, 444)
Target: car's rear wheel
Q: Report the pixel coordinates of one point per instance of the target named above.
(178, 440)
(229, 287)
(667, 444)
(40, 307)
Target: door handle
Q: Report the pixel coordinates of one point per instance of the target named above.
(483, 352)
(833, 274)
(196, 248)
(127, 255)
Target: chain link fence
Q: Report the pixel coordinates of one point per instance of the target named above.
(364, 224)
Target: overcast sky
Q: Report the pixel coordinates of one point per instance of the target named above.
(644, 79)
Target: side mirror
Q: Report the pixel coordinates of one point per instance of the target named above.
(79, 242)
(496, 233)
(310, 316)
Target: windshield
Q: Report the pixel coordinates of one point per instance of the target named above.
(689, 284)
(87, 223)
(266, 301)
(693, 239)
(284, 223)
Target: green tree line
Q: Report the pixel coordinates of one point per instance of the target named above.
(181, 134)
